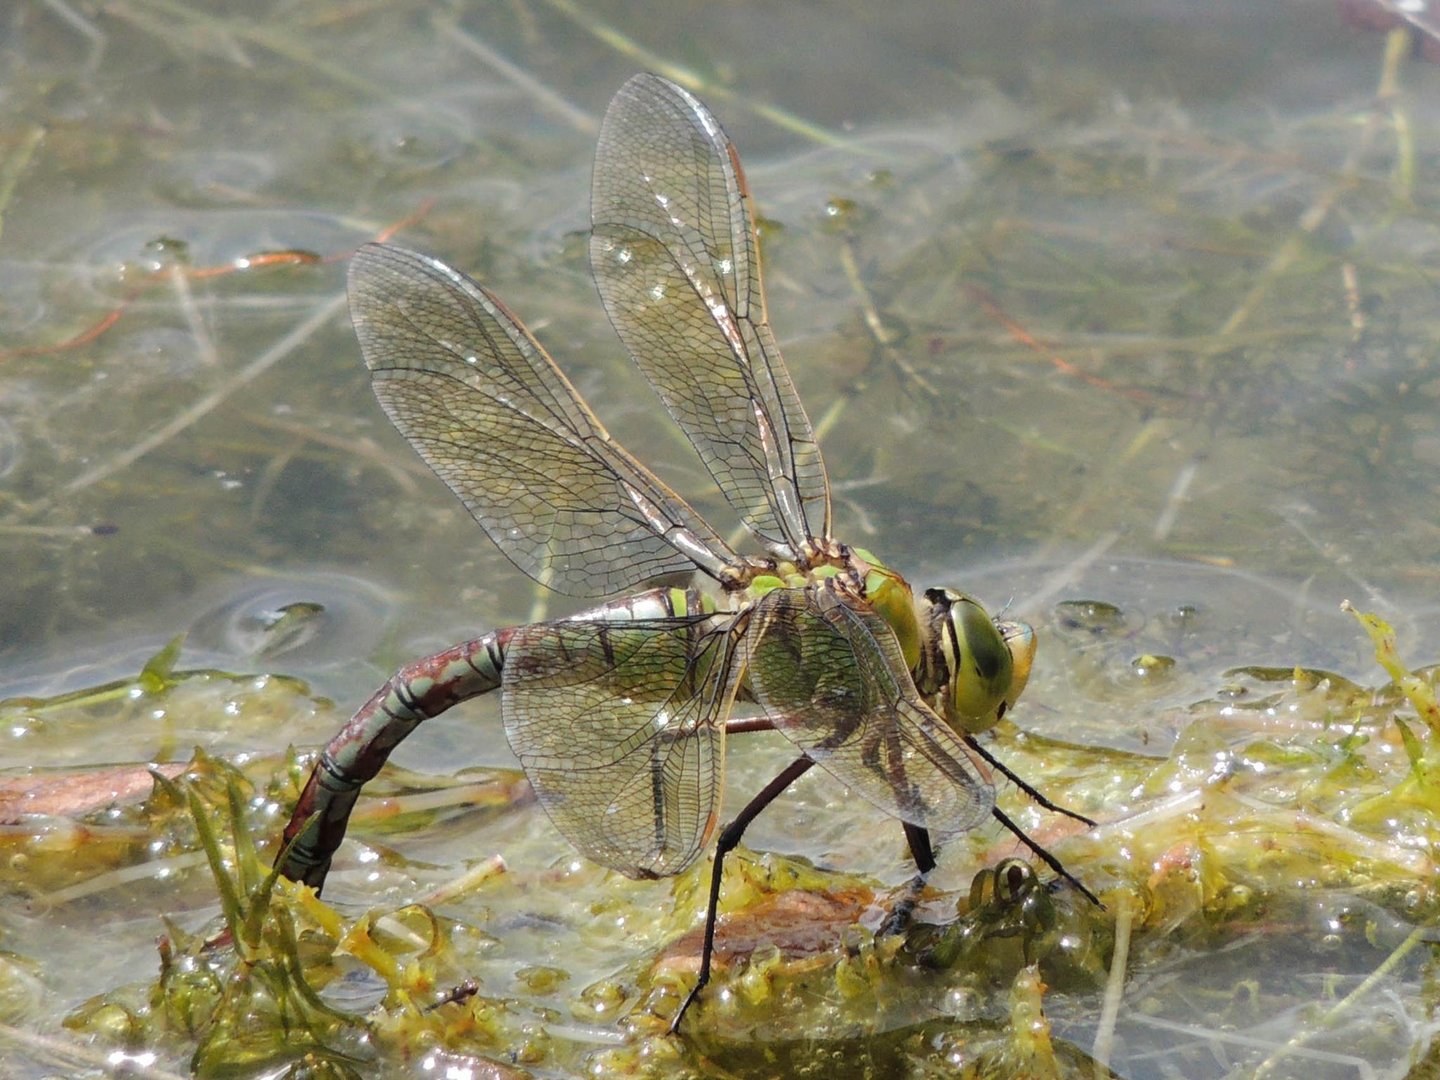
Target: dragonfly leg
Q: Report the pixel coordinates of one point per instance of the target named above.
(924, 855)
(1044, 856)
(729, 837)
(919, 840)
(744, 727)
(412, 695)
(1000, 767)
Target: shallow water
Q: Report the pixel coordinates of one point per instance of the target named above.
(1128, 303)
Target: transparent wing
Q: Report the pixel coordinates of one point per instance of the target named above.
(833, 679)
(488, 410)
(674, 255)
(620, 729)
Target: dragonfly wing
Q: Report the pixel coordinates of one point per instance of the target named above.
(473, 391)
(620, 729)
(674, 254)
(833, 679)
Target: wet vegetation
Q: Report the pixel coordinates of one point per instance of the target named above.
(1277, 862)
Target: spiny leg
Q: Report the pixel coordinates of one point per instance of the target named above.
(1019, 833)
(1044, 856)
(918, 839)
(754, 723)
(729, 837)
(1000, 767)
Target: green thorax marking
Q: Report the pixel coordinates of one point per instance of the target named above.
(680, 603)
(886, 591)
(894, 601)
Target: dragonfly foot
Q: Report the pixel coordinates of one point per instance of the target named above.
(904, 909)
(1045, 857)
(685, 1005)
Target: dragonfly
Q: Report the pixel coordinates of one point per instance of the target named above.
(619, 714)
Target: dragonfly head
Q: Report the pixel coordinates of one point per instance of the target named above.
(978, 666)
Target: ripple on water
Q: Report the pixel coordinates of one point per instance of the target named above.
(308, 621)
(216, 177)
(106, 266)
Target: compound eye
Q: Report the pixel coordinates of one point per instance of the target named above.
(1020, 640)
(982, 667)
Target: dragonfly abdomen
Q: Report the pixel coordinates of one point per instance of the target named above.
(416, 693)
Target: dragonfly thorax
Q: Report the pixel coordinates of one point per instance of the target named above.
(851, 572)
(972, 666)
